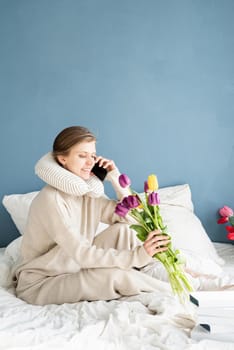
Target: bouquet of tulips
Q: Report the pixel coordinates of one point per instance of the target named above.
(227, 217)
(146, 212)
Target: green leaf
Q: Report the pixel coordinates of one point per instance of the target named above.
(151, 208)
(145, 216)
(141, 231)
(231, 220)
(151, 226)
(138, 214)
(148, 220)
(140, 237)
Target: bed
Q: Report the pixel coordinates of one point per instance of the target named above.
(148, 321)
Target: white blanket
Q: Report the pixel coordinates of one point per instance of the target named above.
(148, 321)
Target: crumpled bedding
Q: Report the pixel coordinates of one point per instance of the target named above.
(148, 321)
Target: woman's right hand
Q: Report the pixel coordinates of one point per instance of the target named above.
(108, 164)
(156, 243)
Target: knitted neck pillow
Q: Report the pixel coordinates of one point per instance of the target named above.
(56, 176)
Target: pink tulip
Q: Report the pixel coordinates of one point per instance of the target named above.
(230, 236)
(222, 220)
(154, 198)
(121, 210)
(146, 187)
(124, 180)
(131, 202)
(230, 229)
(226, 211)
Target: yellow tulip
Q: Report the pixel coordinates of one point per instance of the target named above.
(152, 182)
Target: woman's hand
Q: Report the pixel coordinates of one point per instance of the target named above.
(156, 243)
(108, 164)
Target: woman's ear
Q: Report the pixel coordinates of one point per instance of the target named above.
(62, 160)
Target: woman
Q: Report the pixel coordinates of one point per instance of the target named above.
(62, 259)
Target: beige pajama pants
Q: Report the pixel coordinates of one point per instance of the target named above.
(95, 283)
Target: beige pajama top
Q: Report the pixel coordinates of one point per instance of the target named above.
(62, 261)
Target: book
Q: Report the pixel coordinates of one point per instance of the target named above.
(215, 311)
(225, 312)
(200, 333)
(216, 324)
(213, 298)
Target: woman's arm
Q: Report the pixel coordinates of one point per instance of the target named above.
(113, 176)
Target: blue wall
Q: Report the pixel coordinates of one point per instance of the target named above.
(154, 79)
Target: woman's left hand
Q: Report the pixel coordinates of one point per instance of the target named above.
(108, 164)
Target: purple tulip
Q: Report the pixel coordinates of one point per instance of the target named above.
(153, 198)
(146, 187)
(121, 210)
(131, 202)
(124, 180)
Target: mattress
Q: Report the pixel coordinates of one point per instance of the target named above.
(148, 321)
(226, 251)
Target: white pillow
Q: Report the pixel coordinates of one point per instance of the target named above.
(18, 206)
(12, 251)
(183, 225)
(10, 255)
(179, 195)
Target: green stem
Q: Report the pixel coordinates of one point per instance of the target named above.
(139, 219)
(145, 206)
(178, 281)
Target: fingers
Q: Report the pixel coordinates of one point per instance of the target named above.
(156, 243)
(105, 163)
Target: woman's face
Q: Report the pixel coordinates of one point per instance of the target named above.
(80, 159)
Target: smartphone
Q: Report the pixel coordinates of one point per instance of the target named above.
(99, 171)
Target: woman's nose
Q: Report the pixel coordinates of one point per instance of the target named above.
(90, 161)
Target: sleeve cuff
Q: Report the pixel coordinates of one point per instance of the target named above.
(113, 175)
(144, 257)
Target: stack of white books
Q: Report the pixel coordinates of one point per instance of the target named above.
(215, 315)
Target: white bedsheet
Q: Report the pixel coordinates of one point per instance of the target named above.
(149, 321)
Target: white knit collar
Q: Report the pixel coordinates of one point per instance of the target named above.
(53, 174)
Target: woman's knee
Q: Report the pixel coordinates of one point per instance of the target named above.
(118, 236)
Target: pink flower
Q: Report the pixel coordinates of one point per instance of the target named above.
(153, 198)
(230, 229)
(131, 202)
(226, 211)
(121, 210)
(222, 220)
(124, 180)
(230, 236)
(227, 216)
(146, 187)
